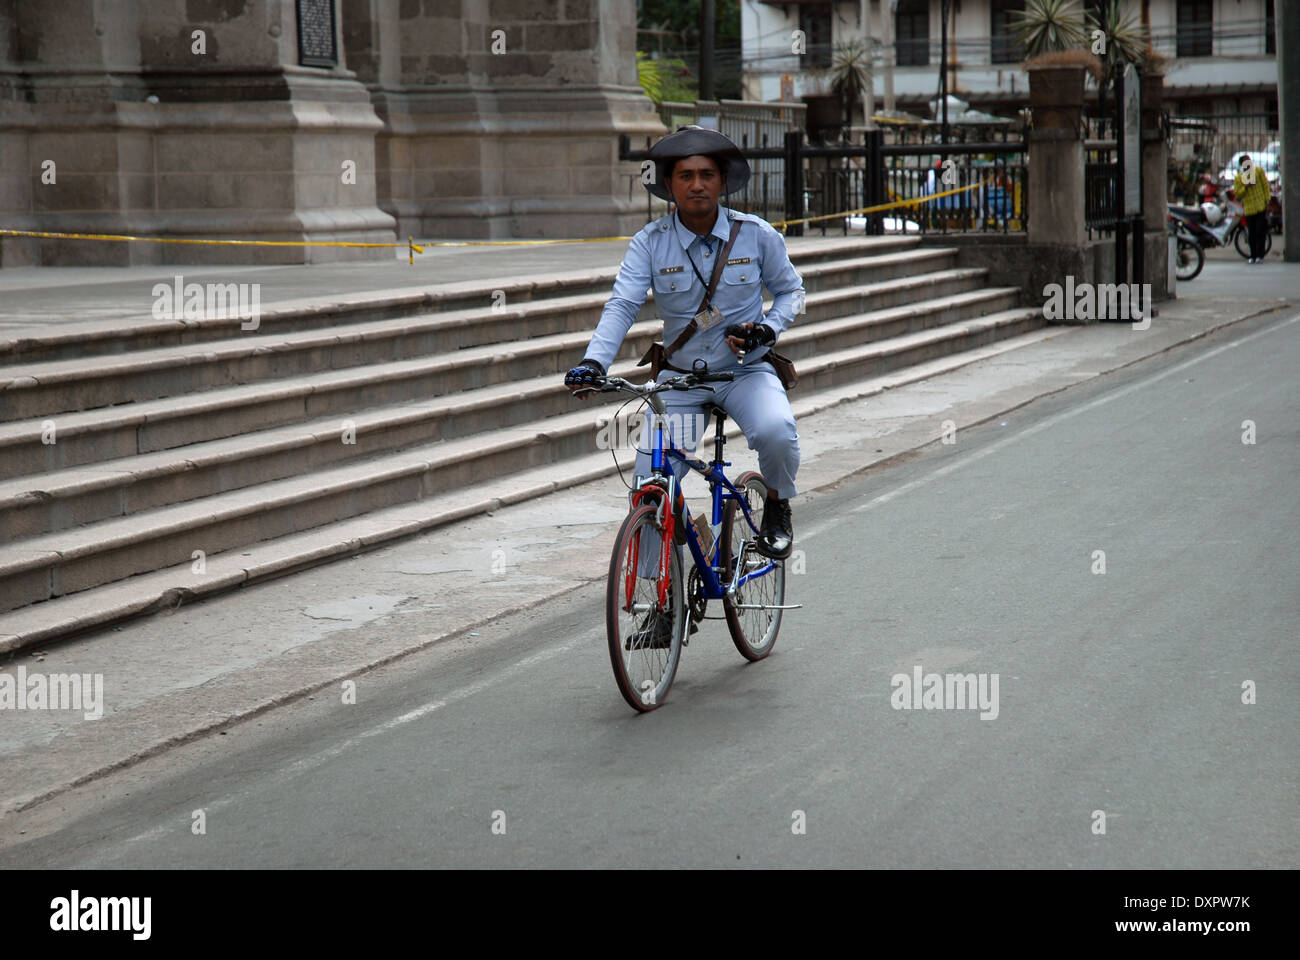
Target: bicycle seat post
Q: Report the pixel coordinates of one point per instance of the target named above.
(719, 435)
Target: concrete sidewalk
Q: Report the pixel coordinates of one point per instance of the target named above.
(172, 677)
(37, 300)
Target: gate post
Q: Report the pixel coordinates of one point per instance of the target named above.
(875, 167)
(794, 181)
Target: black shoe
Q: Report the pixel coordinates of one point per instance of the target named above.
(656, 633)
(776, 537)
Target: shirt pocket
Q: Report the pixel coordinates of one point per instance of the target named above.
(741, 275)
(740, 289)
(676, 293)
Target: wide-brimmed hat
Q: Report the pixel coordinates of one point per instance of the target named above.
(696, 141)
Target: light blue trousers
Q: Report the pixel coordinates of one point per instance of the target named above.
(756, 401)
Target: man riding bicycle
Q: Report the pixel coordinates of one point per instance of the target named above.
(676, 255)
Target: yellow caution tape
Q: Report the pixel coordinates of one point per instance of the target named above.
(915, 201)
(412, 247)
(517, 243)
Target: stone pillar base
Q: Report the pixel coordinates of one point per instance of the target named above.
(272, 168)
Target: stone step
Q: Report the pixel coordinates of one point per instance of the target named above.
(48, 390)
(95, 437)
(65, 562)
(103, 338)
(63, 498)
(168, 587)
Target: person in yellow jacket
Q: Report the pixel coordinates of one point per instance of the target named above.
(1251, 187)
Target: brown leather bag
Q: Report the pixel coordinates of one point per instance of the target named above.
(784, 368)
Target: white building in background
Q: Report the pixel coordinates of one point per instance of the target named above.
(1221, 52)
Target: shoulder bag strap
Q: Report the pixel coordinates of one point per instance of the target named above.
(708, 293)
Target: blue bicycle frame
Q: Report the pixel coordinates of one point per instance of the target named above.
(722, 490)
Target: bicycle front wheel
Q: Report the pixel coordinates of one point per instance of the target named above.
(644, 660)
(750, 617)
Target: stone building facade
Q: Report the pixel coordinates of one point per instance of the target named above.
(352, 120)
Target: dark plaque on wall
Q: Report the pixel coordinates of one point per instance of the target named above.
(316, 44)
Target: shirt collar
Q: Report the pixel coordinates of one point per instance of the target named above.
(721, 228)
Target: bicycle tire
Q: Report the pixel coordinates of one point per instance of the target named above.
(1241, 241)
(753, 632)
(644, 676)
(1197, 259)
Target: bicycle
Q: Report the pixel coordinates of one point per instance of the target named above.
(726, 564)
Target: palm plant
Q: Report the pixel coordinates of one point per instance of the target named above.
(1125, 41)
(1047, 26)
(664, 80)
(850, 73)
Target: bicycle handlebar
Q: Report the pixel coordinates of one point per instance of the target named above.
(686, 381)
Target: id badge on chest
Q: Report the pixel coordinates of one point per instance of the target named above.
(708, 318)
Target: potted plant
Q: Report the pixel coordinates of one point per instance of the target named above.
(1048, 26)
(1056, 86)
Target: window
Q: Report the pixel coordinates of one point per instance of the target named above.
(912, 33)
(815, 22)
(1004, 46)
(1195, 28)
(1270, 30)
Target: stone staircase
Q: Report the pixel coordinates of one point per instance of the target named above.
(163, 462)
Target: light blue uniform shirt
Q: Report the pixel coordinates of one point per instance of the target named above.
(657, 258)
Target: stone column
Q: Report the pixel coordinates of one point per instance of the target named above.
(1155, 184)
(179, 118)
(502, 118)
(1287, 17)
(1058, 243)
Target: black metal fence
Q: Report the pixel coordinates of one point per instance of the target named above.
(985, 182)
(1211, 144)
(1100, 188)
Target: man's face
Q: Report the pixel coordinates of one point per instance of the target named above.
(696, 185)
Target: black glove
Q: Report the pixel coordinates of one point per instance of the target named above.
(584, 374)
(759, 335)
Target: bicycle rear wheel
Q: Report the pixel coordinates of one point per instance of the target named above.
(644, 671)
(753, 628)
(1191, 258)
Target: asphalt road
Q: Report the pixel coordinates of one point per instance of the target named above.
(1118, 692)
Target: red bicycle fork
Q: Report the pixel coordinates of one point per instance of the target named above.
(668, 522)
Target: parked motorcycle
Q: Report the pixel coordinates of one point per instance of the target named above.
(1212, 227)
(1191, 258)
